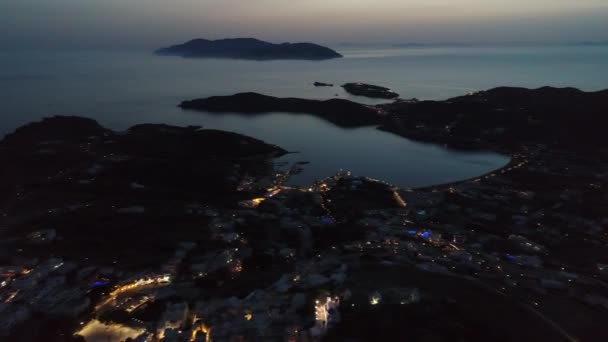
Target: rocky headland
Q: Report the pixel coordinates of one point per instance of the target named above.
(369, 90)
(339, 111)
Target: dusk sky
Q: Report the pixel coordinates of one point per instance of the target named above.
(123, 23)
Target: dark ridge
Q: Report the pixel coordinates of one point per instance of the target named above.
(506, 116)
(513, 96)
(162, 154)
(338, 111)
(153, 140)
(66, 128)
(248, 48)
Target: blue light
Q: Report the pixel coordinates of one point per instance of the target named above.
(99, 284)
(326, 220)
(426, 235)
(412, 232)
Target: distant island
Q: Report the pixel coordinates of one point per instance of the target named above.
(369, 90)
(248, 48)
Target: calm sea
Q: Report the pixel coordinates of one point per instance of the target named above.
(123, 88)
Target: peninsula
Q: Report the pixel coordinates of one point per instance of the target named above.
(248, 48)
(498, 118)
(338, 111)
